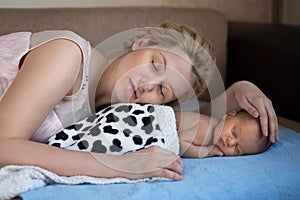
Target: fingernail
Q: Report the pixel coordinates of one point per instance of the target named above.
(255, 113)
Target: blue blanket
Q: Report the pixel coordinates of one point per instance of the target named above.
(274, 174)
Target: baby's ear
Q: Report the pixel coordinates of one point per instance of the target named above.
(229, 115)
(142, 42)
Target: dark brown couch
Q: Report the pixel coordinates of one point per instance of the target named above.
(269, 56)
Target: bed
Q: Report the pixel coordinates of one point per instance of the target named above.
(274, 174)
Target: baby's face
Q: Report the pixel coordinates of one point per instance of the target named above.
(238, 136)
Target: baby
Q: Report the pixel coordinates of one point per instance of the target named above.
(236, 134)
(122, 128)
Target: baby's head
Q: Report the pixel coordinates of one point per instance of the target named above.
(240, 135)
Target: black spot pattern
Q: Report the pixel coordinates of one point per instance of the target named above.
(76, 127)
(99, 120)
(78, 136)
(56, 145)
(83, 144)
(92, 118)
(132, 116)
(116, 147)
(95, 130)
(130, 120)
(98, 147)
(107, 109)
(150, 109)
(127, 132)
(109, 129)
(137, 140)
(151, 140)
(124, 108)
(147, 121)
(157, 127)
(87, 128)
(138, 112)
(111, 118)
(61, 136)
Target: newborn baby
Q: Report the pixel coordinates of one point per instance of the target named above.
(238, 133)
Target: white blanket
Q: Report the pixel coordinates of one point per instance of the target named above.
(17, 179)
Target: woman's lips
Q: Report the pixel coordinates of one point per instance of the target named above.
(132, 89)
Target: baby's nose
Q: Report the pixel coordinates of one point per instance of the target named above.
(231, 142)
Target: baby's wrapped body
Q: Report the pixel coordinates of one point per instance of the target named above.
(121, 128)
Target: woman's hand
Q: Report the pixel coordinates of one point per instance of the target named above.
(149, 162)
(245, 95)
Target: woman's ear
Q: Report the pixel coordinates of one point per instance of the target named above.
(142, 42)
(229, 115)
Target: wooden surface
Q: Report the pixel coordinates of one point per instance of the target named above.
(289, 124)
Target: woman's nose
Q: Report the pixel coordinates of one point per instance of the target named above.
(148, 87)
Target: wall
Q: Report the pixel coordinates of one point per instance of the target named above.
(262, 11)
(289, 12)
(236, 10)
(75, 3)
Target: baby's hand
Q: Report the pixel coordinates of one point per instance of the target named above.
(215, 151)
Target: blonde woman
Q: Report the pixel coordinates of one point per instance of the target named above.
(49, 81)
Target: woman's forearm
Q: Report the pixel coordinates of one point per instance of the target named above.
(149, 162)
(60, 161)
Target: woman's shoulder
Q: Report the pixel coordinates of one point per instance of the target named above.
(40, 38)
(43, 37)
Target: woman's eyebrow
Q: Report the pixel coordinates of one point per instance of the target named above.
(165, 60)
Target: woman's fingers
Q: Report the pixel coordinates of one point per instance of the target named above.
(169, 174)
(253, 100)
(273, 122)
(163, 163)
(260, 106)
(176, 166)
(268, 118)
(247, 105)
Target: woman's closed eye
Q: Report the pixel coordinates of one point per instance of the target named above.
(161, 89)
(157, 66)
(154, 65)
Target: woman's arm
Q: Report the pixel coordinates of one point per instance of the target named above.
(47, 75)
(149, 162)
(245, 95)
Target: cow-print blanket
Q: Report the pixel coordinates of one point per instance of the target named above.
(121, 128)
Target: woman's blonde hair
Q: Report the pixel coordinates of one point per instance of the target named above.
(193, 44)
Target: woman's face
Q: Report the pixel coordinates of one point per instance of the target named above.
(151, 76)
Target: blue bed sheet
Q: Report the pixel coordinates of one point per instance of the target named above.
(274, 174)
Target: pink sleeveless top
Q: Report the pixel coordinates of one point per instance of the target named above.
(72, 108)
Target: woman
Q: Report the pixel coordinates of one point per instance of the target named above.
(49, 81)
